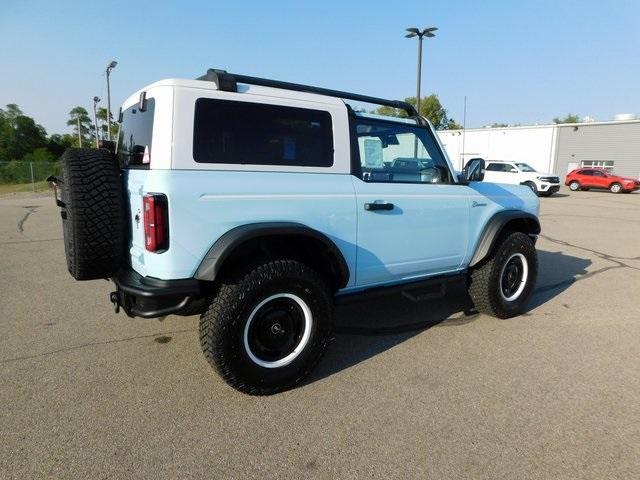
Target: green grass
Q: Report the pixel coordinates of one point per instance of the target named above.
(23, 187)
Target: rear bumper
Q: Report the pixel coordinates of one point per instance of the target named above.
(150, 297)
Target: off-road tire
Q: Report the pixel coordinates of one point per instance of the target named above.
(222, 325)
(93, 218)
(485, 280)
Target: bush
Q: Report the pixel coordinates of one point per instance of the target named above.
(19, 171)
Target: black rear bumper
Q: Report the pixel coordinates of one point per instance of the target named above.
(150, 297)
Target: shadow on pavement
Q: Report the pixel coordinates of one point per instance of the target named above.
(365, 329)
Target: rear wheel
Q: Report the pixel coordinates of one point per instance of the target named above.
(502, 285)
(615, 188)
(574, 186)
(267, 326)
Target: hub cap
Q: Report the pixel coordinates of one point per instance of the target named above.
(513, 277)
(278, 330)
(616, 188)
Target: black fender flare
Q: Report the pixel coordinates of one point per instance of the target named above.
(225, 245)
(494, 226)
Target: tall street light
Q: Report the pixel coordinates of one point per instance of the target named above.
(110, 67)
(416, 32)
(95, 119)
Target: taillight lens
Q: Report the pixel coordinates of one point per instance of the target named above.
(156, 225)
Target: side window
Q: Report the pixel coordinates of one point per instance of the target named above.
(134, 137)
(597, 173)
(495, 167)
(586, 172)
(260, 134)
(391, 151)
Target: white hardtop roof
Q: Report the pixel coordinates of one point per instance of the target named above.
(242, 89)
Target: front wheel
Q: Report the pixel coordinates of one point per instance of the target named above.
(574, 186)
(615, 188)
(267, 326)
(502, 285)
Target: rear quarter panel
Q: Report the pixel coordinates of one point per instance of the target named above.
(203, 205)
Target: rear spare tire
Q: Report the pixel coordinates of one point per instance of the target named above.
(93, 219)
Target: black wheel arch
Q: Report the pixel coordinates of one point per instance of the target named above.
(502, 222)
(276, 239)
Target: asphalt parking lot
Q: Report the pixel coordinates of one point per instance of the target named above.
(554, 393)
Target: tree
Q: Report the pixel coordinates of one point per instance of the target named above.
(453, 125)
(102, 123)
(19, 134)
(430, 108)
(57, 143)
(82, 126)
(570, 118)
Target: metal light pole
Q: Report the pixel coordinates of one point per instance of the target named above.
(110, 67)
(416, 32)
(95, 119)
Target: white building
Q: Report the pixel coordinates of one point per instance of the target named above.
(552, 148)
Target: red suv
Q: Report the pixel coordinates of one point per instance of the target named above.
(586, 178)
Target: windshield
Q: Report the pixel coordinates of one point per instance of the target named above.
(525, 167)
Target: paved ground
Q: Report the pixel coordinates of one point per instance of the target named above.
(552, 394)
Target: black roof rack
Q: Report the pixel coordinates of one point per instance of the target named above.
(228, 82)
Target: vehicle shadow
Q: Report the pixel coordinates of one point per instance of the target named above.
(368, 328)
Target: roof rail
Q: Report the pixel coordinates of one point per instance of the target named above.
(228, 82)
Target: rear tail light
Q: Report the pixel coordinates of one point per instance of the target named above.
(156, 222)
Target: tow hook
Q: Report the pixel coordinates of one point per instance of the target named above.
(115, 299)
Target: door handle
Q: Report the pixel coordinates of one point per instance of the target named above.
(378, 206)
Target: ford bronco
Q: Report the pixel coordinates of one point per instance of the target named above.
(258, 204)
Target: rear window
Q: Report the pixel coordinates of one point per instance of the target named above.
(134, 139)
(258, 134)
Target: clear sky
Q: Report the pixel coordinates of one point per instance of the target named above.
(516, 61)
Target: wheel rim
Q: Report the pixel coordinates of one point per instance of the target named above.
(513, 277)
(574, 186)
(278, 330)
(615, 188)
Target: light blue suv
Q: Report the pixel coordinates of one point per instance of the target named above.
(259, 204)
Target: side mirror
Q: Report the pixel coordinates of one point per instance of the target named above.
(473, 171)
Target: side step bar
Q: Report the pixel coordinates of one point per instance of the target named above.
(419, 291)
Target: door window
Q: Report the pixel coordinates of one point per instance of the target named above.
(498, 167)
(398, 152)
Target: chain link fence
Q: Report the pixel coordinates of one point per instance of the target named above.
(19, 176)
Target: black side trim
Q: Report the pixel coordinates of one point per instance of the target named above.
(493, 228)
(224, 246)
